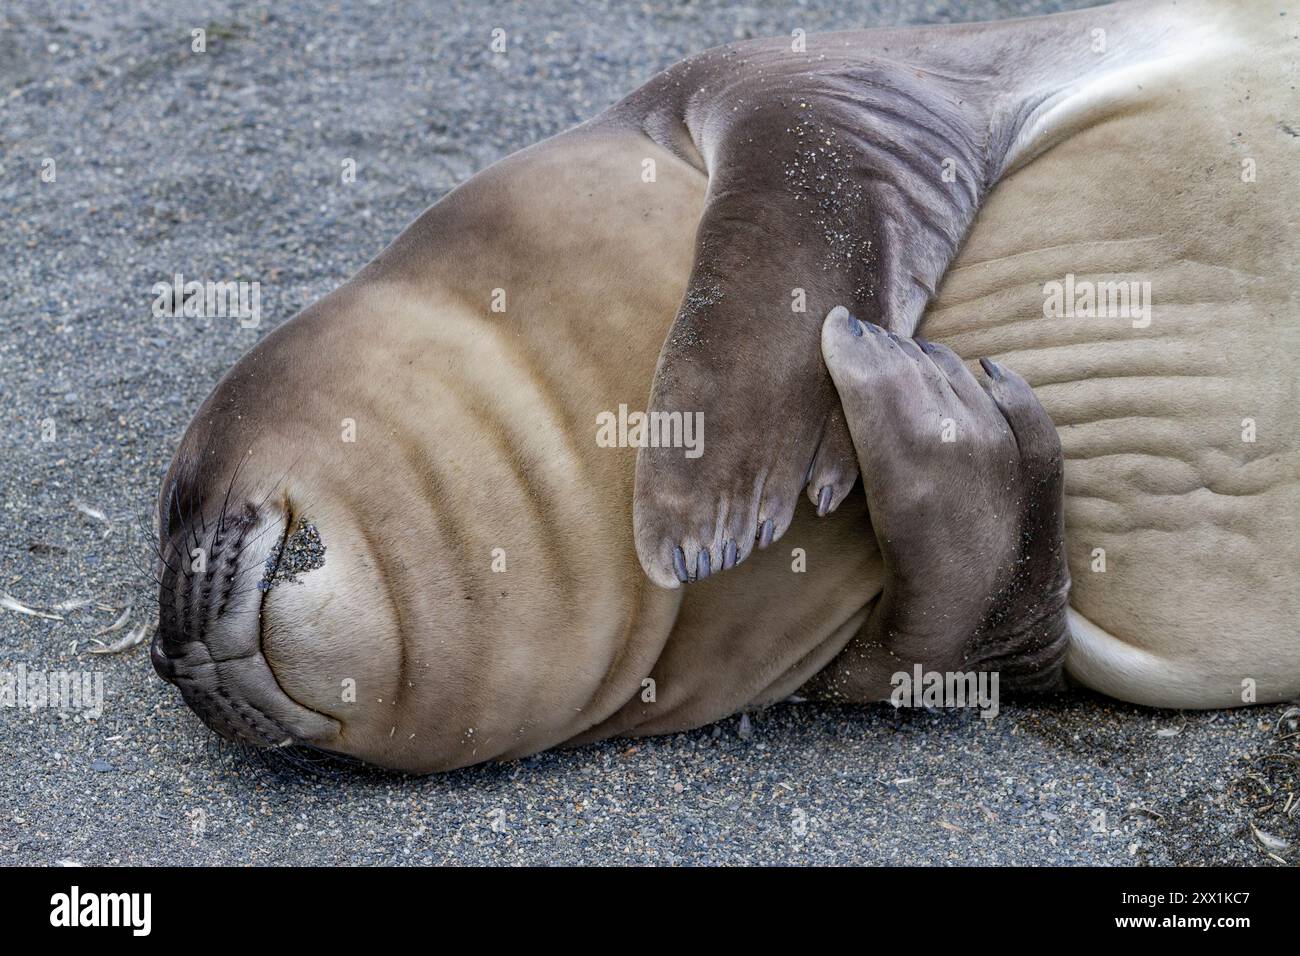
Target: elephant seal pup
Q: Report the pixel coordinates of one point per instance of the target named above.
(393, 531)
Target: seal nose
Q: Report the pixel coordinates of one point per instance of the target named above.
(209, 636)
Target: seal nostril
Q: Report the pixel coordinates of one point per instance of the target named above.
(299, 551)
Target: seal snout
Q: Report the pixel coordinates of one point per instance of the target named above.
(216, 576)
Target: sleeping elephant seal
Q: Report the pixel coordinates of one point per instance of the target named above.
(403, 527)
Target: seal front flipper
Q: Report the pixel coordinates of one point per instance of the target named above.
(845, 177)
(964, 485)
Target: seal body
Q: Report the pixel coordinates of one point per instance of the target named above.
(478, 591)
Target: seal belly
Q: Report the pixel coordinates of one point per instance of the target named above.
(1176, 415)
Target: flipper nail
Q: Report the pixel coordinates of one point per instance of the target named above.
(679, 565)
(823, 501)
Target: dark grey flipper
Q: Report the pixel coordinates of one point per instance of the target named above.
(848, 172)
(974, 551)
